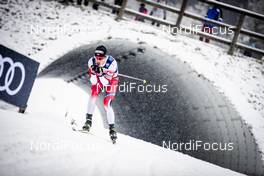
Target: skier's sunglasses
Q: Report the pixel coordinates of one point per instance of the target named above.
(100, 58)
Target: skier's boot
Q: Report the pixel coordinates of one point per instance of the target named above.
(112, 133)
(88, 122)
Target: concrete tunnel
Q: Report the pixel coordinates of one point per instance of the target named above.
(191, 109)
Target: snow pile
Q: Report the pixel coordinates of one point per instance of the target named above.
(239, 78)
(41, 142)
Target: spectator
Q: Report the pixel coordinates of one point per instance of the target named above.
(213, 13)
(142, 9)
(119, 3)
(157, 12)
(248, 52)
(86, 2)
(96, 5)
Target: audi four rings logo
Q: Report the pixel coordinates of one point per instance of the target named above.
(10, 74)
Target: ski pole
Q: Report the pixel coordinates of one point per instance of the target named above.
(131, 77)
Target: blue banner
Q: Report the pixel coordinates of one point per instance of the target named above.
(17, 76)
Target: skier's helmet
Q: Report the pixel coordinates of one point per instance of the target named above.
(100, 51)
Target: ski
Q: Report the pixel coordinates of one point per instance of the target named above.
(74, 127)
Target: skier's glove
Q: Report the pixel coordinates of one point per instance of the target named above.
(97, 69)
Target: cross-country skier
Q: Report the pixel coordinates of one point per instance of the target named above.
(103, 73)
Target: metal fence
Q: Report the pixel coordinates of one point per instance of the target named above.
(237, 29)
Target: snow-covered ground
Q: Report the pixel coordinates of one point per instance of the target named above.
(67, 27)
(41, 142)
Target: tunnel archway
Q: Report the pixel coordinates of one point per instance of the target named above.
(191, 109)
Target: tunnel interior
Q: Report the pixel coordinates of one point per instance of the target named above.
(190, 110)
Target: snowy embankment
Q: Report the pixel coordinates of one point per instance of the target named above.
(239, 78)
(41, 142)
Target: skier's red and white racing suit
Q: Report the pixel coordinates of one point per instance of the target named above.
(107, 81)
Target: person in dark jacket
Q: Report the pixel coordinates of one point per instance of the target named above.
(142, 9)
(119, 3)
(86, 2)
(213, 13)
(96, 5)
